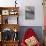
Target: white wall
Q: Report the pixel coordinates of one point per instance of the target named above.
(38, 21)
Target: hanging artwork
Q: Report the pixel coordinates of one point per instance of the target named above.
(29, 12)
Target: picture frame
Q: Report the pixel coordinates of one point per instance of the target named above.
(29, 12)
(5, 12)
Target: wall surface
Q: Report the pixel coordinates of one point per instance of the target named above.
(38, 21)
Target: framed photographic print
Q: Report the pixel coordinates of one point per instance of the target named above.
(5, 12)
(29, 12)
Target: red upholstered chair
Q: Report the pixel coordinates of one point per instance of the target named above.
(29, 33)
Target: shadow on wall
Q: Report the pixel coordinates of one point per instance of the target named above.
(37, 29)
